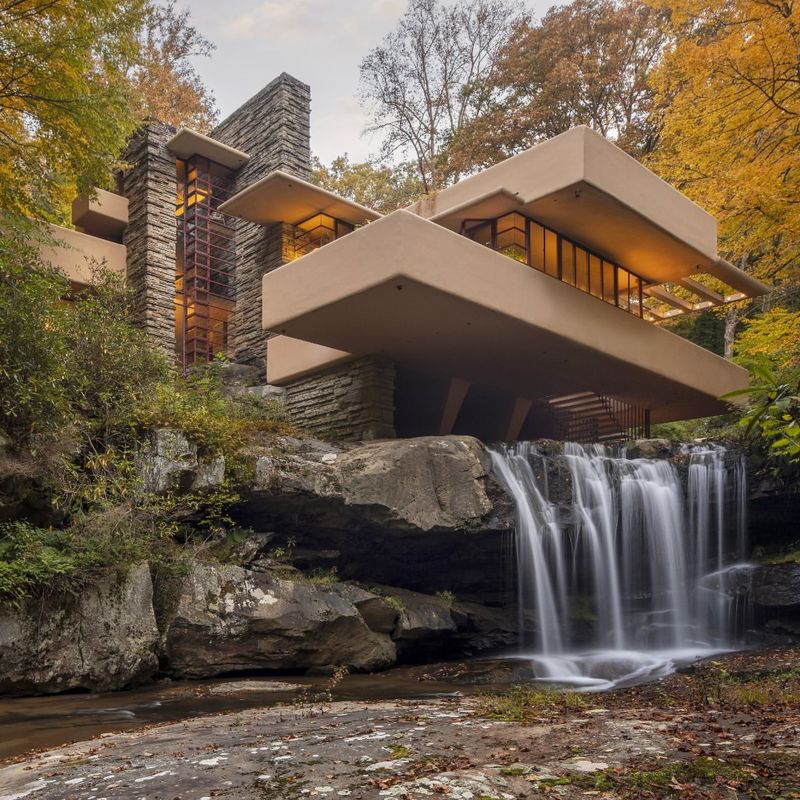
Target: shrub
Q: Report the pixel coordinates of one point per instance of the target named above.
(34, 397)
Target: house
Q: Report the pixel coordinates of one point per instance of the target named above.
(524, 301)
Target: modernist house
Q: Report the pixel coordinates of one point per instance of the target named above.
(524, 301)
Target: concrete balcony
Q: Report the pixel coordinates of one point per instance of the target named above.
(435, 302)
(104, 214)
(74, 253)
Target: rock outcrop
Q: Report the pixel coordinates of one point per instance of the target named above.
(103, 640)
(230, 619)
(169, 461)
(424, 484)
(775, 593)
(777, 585)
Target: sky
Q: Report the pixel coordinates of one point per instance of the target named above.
(321, 42)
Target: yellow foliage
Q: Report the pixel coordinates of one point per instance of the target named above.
(774, 337)
(728, 89)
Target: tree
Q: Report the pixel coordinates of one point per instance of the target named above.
(728, 91)
(382, 188)
(165, 84)
(586, 63)
(426, 80)
(64, 96)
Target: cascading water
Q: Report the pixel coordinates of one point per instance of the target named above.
(633, 574)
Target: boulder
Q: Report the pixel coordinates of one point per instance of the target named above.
(378, 612)
(231, 619)
(651, 448)
(106, 639)
(777, 585)
(169, 461)
(422, 484)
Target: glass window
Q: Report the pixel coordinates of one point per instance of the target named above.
(608, 283)
(595, 276)
(537, 246)
(511, 237)
(551, 253)
(623, 290)
(635, 295)
(581, 269)
(481, 232)
(567, 262)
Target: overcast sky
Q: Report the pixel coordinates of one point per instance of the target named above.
(321, 42)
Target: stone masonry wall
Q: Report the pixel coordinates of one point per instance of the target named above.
(273, 128)
(352, 402)
(150, 186)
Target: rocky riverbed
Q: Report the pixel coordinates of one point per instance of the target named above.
(723, 729)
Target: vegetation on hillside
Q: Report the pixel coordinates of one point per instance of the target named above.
(81, 387)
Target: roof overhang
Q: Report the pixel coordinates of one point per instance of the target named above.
(589, 190)
(187, 143)
(435, 301)
(280, 197)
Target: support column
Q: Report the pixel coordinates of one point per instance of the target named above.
(151, 235)
(519, 413)
(457, 390)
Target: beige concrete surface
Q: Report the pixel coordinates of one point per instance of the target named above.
(74, 253)
(102, 214)
(432, 300)
(186, 143)
(280, 197)
(290, 359)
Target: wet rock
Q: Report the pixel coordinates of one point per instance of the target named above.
(231, 619)
(651, 448)
(425, 625)
(777, 585)
(483, 628)
(105, 639)
(379, 614)
(169, 461)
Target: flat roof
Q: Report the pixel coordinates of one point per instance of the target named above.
(586, 188)
(437, 302)
(186, 143)
(281, 197)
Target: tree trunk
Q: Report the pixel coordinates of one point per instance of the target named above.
(731, 318)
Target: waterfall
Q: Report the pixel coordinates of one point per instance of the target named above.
(635, 570)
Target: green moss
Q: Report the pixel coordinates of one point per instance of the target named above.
(397, 751)
(513, 771)
(523, 703)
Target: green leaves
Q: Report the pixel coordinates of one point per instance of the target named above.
(774, 412)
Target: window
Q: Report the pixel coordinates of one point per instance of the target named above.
(529, 242)
(317, 231)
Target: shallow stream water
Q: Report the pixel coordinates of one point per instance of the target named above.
(36, 723)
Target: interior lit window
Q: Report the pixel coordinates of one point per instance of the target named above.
(511, 237)
(529, 242)
(317, 231)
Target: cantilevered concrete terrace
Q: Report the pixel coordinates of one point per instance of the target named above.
(598, 246)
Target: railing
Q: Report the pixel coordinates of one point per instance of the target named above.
(542, 248)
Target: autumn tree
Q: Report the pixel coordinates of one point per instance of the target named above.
(165, 84)
(427, 79)
(585, 63)
(65, 98)
(728, 92)
(383, 188)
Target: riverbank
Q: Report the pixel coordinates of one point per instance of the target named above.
(724, 729)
